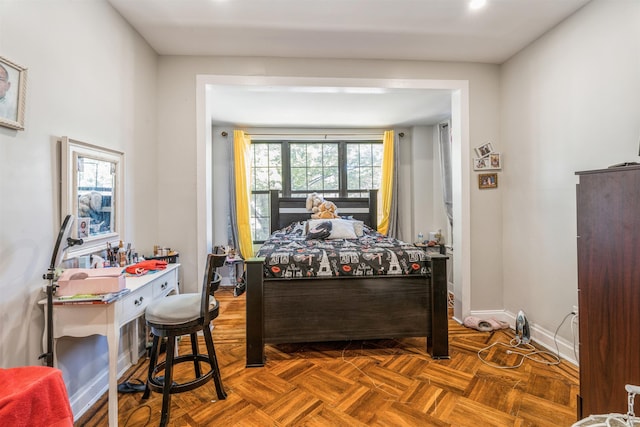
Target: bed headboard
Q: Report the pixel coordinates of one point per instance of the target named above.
(285, 210)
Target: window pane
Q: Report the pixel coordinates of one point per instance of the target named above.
(298, 154)
(261, 154)
(314, 154)
(377, 175)
(332, 178)
(261, 179)
(358, 194)
(260, 216)
(298, 179)
(314, 176)
(261, 229)
(353, 179)
(330, 153)
(275, 178)
(376, 150)
(366, 178)
(261, 205)
(353, 156)
(365, 155)
(275, 155)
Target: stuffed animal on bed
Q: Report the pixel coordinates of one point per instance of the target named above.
(320, 208)
(326, 210)
(314, 200)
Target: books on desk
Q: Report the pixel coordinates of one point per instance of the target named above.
(90, 298)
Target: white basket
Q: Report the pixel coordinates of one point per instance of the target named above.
(615, 420)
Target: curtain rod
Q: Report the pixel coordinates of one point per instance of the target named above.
(325, 134)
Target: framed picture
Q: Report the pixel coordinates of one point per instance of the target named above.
(490, 162)
(84, 225)
(484, 150)
(13, 90)
(488, 180)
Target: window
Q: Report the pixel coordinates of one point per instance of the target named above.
(267, 175)
(333, 169)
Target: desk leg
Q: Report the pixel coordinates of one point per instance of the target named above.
(133, 340)
(113, 338)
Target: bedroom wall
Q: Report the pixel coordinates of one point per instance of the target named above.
(424, 164)
(92, 78)
(570, 102)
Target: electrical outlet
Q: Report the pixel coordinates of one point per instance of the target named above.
(575, 309)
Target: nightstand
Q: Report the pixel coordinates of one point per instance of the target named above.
(437, 249)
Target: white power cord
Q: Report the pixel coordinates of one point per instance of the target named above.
(528, 351)
(525, 351)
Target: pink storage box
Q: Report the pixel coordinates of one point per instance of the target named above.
(74, 281)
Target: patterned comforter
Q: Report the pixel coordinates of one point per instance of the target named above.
(289, 253)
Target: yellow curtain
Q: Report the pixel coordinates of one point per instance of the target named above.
(242, 159)
(386, 183)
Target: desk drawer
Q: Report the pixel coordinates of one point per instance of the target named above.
(134, 304)
(162, 286)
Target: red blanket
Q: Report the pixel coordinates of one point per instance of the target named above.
(34, 396)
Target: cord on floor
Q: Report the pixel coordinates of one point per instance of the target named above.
(527, 351)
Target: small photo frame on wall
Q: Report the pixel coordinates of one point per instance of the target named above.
(488, 180)
(84, 225)
(13, 90)
(484, 150)
(491, 162)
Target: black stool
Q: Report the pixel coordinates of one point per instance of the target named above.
(185, 314)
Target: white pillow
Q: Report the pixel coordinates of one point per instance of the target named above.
(358, 227)
(340, 228)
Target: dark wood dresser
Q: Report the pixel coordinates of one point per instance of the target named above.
(608, 228)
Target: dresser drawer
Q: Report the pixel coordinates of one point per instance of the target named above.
(134, 304)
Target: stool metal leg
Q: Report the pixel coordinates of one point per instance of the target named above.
(214, 363)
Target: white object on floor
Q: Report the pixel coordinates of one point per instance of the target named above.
(615, 420)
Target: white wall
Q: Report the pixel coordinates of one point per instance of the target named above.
(92, 78)
(570, 102)
(421, 161)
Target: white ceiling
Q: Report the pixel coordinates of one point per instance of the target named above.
(434, 30)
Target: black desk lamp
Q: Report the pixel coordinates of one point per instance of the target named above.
(64, 238)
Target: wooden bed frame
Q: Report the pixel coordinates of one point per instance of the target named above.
(341, 309)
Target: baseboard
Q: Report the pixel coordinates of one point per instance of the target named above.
(539, 335)
(82, 400)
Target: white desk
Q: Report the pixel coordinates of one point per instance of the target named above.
(81, 320)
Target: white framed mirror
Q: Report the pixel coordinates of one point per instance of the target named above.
(92, 191)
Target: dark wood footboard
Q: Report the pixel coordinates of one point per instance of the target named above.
(350, 308)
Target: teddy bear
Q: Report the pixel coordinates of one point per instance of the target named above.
(320, 208)
(326, 210)
(314, 200)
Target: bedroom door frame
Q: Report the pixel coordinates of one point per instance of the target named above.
(459, 90)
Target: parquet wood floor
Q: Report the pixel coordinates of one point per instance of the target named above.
(372, 383)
